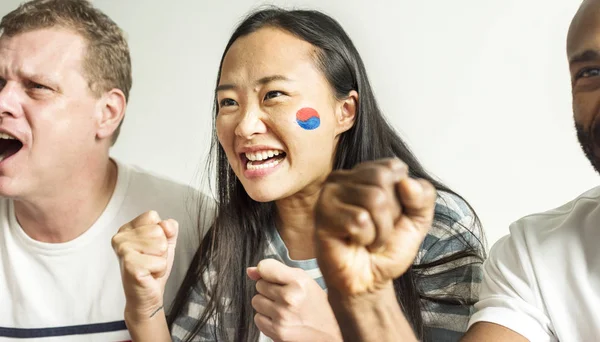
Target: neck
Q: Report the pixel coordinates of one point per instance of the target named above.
(295, 223)
(72, 209)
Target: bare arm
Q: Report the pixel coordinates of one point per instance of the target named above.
(370, 224)
(371, 317)
(491, 332)
(154, 328)
(146, 248)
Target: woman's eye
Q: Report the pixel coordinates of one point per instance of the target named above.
(227, 102)
(273, 94)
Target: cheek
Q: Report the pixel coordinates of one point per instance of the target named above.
(224, 130)
(225, 135)
(586, 107)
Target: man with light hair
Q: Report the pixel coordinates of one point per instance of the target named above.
(65, 77)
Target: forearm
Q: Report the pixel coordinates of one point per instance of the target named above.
(154, 328)
(371, 317)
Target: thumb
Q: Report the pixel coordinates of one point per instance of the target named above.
(418, 198)
(276, 272)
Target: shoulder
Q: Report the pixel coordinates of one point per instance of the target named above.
(566, 219)
(455, 228)
(150, 191)
(142, 179)
(553, 231)
(450, 210)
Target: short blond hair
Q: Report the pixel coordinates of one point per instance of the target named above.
(107, 62)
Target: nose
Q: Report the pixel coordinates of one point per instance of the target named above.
(9, 100)
(251, 123)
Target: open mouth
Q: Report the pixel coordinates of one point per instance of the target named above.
(9, 146)
(262, 159)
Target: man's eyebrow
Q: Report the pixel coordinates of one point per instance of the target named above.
(585, 56)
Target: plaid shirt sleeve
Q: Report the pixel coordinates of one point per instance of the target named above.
(449, 289)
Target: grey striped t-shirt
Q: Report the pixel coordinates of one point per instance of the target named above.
(453, 230)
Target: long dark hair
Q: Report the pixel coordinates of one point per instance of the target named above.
(239, 235)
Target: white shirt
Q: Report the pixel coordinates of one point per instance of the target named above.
(72, 291)
(543, 280)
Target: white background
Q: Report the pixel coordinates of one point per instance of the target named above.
(479, 89)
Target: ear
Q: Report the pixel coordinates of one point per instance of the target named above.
(346, 113)
(111, 110)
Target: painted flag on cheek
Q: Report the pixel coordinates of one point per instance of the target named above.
(308, 118)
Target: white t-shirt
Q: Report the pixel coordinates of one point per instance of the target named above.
(543, 280)
(72, 291)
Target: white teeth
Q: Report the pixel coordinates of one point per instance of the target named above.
(273, 163)
(262, 155)
(6, 136)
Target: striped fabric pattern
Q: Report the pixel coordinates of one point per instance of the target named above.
(453, 230)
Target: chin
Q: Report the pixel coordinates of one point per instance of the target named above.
(262, 196)
(8, 188)
(264, 192)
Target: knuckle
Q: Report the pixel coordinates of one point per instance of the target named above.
(128, 258)
(255, 301)
(396, 164)
(429, 189)
(378, 198)
(335, 176)
(122, 250)
(260, 285)
(150, 215)
(162, 264)
(124, 227)
(280, 315)
(381, 175)
(155, 231)
(327, 202)
(114, 241)
(129, 266)
(328, 192)
(291, 298)
(301, 280)
(162, 245)
(359, 219)
(280, 331)
(257, 319)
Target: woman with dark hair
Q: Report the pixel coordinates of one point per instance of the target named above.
(293, 103)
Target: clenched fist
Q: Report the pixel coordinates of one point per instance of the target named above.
(370, 223)
(290, 305)
(145, 247)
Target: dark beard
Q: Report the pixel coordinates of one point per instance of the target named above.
(590, 142)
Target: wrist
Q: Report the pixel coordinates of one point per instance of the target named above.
(142, 327)
(138, 315)
(365, 300)
(371, 316)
